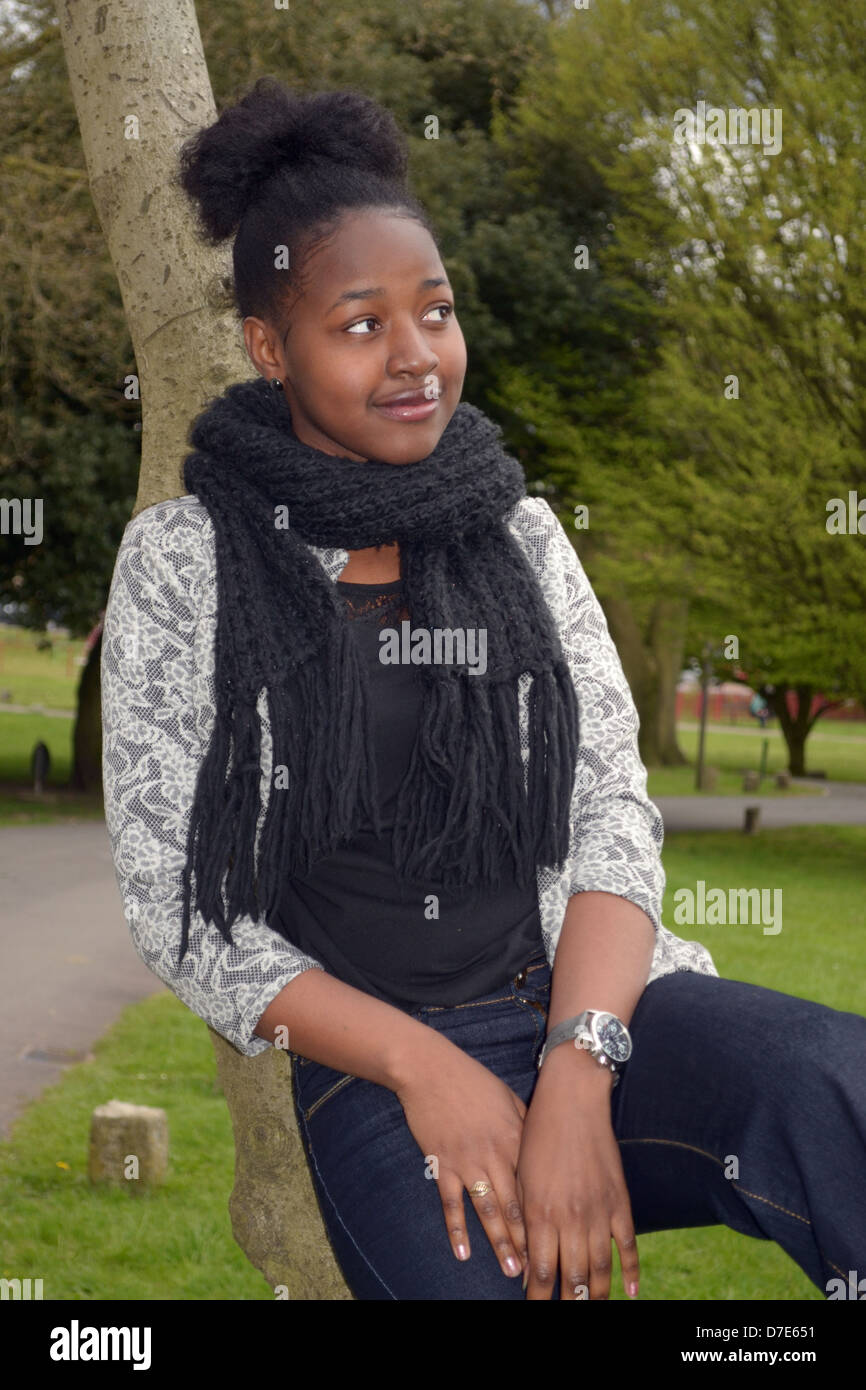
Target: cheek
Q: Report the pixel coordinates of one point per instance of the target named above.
(457, 354)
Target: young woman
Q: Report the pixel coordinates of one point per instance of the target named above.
(371, 777)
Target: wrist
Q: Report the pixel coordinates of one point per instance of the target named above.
(573, 1069)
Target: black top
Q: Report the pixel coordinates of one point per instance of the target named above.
(351, 912)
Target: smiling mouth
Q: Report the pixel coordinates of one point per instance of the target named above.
(409, 410)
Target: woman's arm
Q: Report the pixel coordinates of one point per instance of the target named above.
(331, 1022)
(572, 1186)
(602, 962)
(156, 657)
(571, 1179)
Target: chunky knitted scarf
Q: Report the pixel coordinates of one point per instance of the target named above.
(467, 804)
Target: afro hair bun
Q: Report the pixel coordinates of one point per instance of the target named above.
(225, 167)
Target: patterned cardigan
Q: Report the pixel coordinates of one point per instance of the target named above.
(158, 710)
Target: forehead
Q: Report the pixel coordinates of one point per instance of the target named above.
(372, 249)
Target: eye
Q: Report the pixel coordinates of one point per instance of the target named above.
(372, 319)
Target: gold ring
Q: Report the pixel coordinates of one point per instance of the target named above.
(480, 1188)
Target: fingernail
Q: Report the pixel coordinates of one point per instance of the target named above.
(462, 1252)
(632, 1290)
(512, 1264)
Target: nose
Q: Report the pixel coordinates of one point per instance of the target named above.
(412, 353)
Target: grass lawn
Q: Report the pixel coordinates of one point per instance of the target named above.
(176, 1243)
(839, 749)
(680, 781)
(45, 676)
(18, 804)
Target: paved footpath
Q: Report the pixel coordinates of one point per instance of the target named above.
(67, 963)
(68, 966)
(834, 803)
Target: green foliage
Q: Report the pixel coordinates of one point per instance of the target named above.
(732, 262)
(555, 130)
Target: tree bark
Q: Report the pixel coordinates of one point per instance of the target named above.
(795, 730)
(651, 666)
(144, 58)
(137, 69)
(667, 641)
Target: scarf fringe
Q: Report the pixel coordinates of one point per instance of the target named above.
(305, 820)
(487, 810)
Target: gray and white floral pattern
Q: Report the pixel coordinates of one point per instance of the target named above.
(158, 711)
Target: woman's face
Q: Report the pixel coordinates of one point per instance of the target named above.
(369, 324)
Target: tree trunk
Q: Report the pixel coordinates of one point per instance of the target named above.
(667, 642)
(87, 736)
(274, 1212)
(140, 84)
(651, 668)
(144, 59)
(795, 730)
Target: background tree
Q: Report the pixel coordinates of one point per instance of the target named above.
(746, 265)
(554, 129)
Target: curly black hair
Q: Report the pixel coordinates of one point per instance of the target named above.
(280, 168)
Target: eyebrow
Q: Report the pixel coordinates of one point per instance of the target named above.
(379, 291)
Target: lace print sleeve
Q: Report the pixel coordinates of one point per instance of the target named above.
(616, 831)
(157, 690)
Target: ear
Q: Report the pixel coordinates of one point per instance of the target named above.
(261, 347)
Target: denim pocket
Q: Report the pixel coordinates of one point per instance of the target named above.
(317, 1085)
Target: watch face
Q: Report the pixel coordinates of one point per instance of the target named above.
(613, 1037)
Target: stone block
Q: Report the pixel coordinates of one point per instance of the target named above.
(128, 1145)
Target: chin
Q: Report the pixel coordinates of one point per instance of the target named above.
(417, 443)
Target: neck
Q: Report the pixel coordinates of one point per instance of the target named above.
(376, 564)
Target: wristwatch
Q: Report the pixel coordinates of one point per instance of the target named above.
(602, 1034)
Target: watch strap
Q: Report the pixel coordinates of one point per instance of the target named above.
(563, 1032)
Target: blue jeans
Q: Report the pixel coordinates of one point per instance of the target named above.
(720, 1071)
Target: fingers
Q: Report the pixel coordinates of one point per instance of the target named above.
(541, 1270)
(451, 1196)
(600, 1264)
(499, 1212)
(622, 1229)
(584, 1259)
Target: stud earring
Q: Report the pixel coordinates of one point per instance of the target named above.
(275, 384)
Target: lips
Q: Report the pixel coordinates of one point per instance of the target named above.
(407, 398)
(410, 406)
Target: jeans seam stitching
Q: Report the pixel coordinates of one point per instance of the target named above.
(332, 1090)
(758, 1198)
(678, 1144)
(471, 1004)
(375, 1274)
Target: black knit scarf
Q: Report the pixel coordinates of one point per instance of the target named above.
(467, 807)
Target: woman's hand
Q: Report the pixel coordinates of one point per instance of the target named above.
(571, 1184)
(471, 1123)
